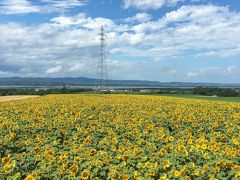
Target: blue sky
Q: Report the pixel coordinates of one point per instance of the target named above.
(163, 40)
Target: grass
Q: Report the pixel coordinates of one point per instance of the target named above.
(209, 98)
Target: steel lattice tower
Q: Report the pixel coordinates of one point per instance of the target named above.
(102, 65)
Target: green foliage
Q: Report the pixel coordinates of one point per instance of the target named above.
(41, 92)
(221, 92)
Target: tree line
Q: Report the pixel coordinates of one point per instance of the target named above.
(41, 92)
(201, 90)
(212, 91)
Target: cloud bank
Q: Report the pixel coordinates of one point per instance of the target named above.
(69, 45)
(9, 7)
(149, 4)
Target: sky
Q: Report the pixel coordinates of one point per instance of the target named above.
(160, 40)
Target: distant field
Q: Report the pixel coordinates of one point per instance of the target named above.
(14, 98)
(200, 97)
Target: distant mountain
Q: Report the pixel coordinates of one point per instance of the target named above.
(83, 81)
(69, 81)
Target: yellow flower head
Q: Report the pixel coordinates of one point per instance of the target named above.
(235, 141)
(196, 172)
(124, 157)
(163, 151)
(176, 173)
(85, 175)
(166, 164)
(139, 142)
(6, 168)
(113, 148)
(121, 148)
(115, 174)
(62, 132)
(164, 177)
(125, 177)
(136, 150)
(206, 168)
(37, 149)
(29, 177)
(171, 139)
(17, 143)
(181, 148)
(237, 174)
(118, 156)
(5, 160)
(204, 146)
(74, 168)
(135, 174)
(93, 151)
(148, 164)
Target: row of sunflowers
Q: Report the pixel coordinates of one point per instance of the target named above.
(119, 137)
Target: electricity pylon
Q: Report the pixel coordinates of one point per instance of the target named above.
(102, 64)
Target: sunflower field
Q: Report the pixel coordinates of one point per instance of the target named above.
(119, 137)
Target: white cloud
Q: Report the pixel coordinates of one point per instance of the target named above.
(139, 17)
(197, 28)
(5, 74)
(117, 51)
(69, 45)
(68, 21)
(149, 4)
(223, 53)
(77, 67)
(218, 73)
(65, 3)
(204, 28)
(194, 1)
(173, 72)
(83, 21)
(98, 22)
(47, 6)
(60, 5)
(192, 74)
(54, 70)
(17, 7)
(231, 69)
(135, 38)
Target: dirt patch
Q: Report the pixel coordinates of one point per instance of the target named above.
(15, 98)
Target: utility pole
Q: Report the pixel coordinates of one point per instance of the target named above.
(102, 65)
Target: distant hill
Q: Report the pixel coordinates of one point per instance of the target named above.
(70, 81)
(84, 81)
